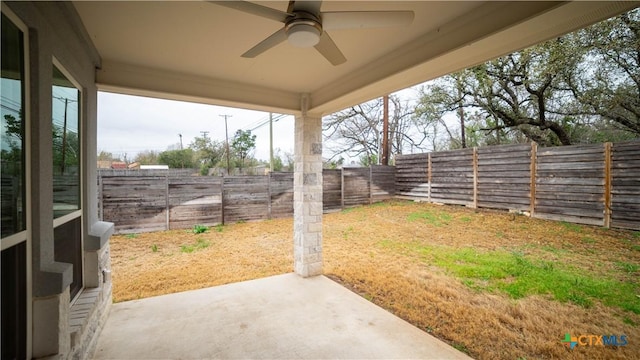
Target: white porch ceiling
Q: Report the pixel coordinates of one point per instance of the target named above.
(190, 50)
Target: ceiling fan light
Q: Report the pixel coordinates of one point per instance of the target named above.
(303, 35)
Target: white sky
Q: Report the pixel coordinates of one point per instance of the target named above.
(131, 124)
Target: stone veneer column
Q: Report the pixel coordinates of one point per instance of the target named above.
(307, 197)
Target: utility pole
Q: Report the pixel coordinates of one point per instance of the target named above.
(64, 136)
(385, 130)
(204, 134)
(271, 142)
(461, 114)
(180, 141)
(226, 134)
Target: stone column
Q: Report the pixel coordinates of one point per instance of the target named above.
(307, 197)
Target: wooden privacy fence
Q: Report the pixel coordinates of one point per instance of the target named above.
(595, 184)
(153, 203)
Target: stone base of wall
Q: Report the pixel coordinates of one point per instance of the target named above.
(90, 311)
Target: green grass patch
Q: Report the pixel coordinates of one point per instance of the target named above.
(628, 321)
(571, 227)
(553, 249)
(131, 236)
(461, 347)
(465, 219)
(635, 247)
(219, 227)
(154, 248)
(519, 276)
(627, 267)
(435, 218)
(200, 229)
(588, 240)
(199, 245)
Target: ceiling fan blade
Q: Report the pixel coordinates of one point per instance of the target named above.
(329, 50)
(310, 6)
(365, 19)
(266, 44)
(255, 9)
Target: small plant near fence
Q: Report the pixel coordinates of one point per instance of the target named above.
(200, 229)
(199, 245)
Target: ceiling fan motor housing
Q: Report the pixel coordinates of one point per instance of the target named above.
(303, 30)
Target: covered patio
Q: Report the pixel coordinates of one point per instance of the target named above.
(279, 317)
(192, 51)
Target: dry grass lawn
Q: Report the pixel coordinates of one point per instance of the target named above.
(493, 285)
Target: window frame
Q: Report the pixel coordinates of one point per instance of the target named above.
(61, 220)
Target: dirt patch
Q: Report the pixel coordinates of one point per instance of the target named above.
(384, 252)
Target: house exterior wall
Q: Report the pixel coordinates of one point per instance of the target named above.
(55, 33)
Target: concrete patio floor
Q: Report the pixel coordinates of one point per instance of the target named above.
(280, 317)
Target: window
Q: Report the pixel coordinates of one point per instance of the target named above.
(14, 260)
(67, 201)
(13, 131)
(66, 145)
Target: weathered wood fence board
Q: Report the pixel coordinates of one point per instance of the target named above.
(194, 198)
(281, 193)
(590, 184)
(451, 174)
(571, 170)
(135, 203)
(382, 182)
(504, 177)
(152, 203)
(332, 189)
(246, 198)
(412, 175)
(625, 185)
(355, 184)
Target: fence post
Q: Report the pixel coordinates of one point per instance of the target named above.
(342, 188)
(166, 194)
(607, 185)
(429, 176)
(475, 177)
(370, 187)
(269, 195)
(100, 198)
(532, 169)
(222, 200)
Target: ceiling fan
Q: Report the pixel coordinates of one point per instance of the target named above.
(306, 26)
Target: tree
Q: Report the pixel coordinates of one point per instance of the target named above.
(368, 160)
(106, 156)
(207, 152)
(356, 131)
(66, 151)
(524, 90)
(147, 157)
(177, 159)
(608, 82)
(278, 164)
(580, 88)
(243, 144)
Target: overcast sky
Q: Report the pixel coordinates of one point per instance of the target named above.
(128, 125)
(131, 124)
